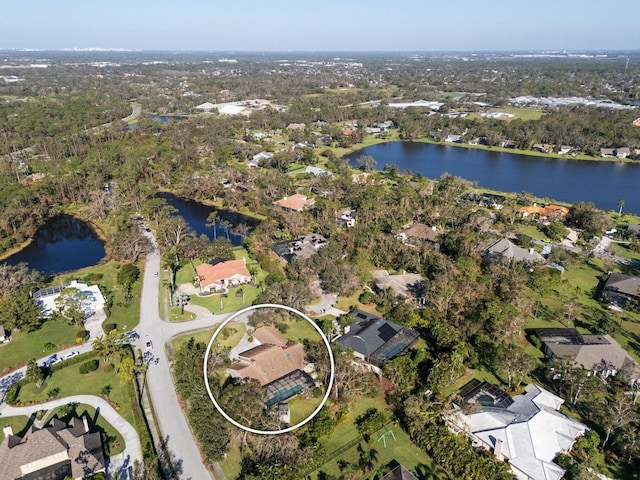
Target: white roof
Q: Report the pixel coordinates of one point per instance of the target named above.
(532, 430)
(205, 106)
(231, 109)
(92, 301)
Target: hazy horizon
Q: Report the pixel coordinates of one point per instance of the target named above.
(333, 26)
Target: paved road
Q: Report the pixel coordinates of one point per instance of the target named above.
(117, 463)
(171, 418)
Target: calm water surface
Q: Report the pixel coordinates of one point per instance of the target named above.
(603, 183)
(65, 243)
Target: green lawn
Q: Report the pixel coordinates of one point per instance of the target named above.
(122, 313)
(301, 408)
(71, 382)
(523, 113)
(300, 329)
(235, 330)
(19, 424)
(227, 302)
(402, 450)
(25, 346)
(115, 442)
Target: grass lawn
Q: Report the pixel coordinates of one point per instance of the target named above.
(531, 230)
(19, 424)
(25, 346)
(401, 449)
(71, 382)
(121, 313)
(300, 329)
(235, 330)
(301, 408)
(115, 442)
(231, 301)
(523, 113)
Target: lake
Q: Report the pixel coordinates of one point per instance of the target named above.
(65, 243)
(603, 183)
(196, 213)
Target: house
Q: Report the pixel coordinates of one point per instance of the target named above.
(277, 365)
(508, 144)
(233, 110)
(302, 247)
(600, 354)
(485, 199)
(542, 147)
(419, 232)
(621, 152)
(262, 156)
(452, 138)
(59, 450)
(317, 171)
(564, 149)
(90, 298)
(408, 285)
(346, 218)
(528, 433)
(205, 107)
(296, 126)
(506, 251)
(4, 335)
(295, 203)
(544, 213)
(400, 473)
(223, 275)
(374, 339)
(620, 289)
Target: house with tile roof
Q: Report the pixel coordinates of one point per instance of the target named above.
(528, 434)
(223, 275)
(277, 365)
(295, 203)
(59, 450)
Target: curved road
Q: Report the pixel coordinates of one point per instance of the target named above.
(117, 463)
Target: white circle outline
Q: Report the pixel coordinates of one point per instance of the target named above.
(297, 425)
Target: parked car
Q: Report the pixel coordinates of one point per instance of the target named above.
(69, 355)
(149, 345)
(50, 361)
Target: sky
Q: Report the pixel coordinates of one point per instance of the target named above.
(325, 25)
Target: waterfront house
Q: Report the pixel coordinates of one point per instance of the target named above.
(295, 203)
(223, 275)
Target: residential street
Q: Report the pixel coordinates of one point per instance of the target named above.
(172, 421)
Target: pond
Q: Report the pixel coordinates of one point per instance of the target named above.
(601, 182)
(196, 213)
(63, 244)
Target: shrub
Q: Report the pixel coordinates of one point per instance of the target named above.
(49, 346)
(106, 390)
(367, 297)
(83, 334)
(109, 368)
(90, 366)
(108, 327)
(12, 394)
(93, 277)
(53, 393)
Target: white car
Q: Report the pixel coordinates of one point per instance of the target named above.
(155, 274)
(69, 355)
(149, 345)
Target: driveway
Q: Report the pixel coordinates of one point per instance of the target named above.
(120, 464)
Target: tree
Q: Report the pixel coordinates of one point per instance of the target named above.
(69, 303)
(620, 205)
(34, 373)
(212, 220)
(126, 370)
(226, 225)
(515, 363)
(366, 162)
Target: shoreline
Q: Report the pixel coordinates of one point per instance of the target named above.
(531, 153)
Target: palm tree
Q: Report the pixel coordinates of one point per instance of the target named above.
(34, 373)
(99, 346)
(212, 220)
(620, 205)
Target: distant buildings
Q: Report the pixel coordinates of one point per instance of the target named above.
(407, 285)
(620, 289)
(621, 152)
(346, 218)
